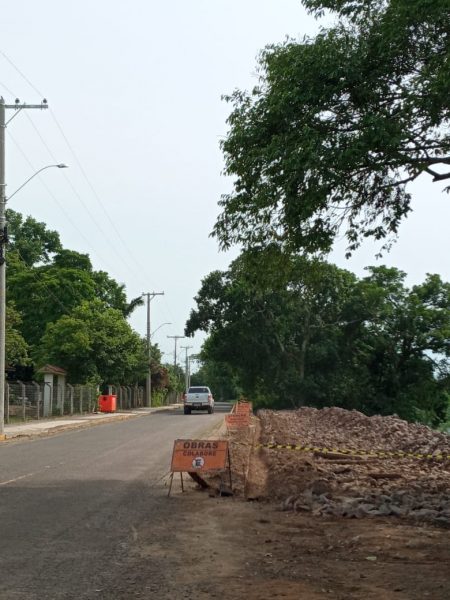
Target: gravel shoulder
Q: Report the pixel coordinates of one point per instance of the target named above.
(200, 547)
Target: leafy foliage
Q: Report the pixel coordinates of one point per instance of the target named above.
(95, 342)
(295, 331)
(219, 377)
(339, 126)
(45, 292)
(31, 240)
(61, 310)
(16, 348)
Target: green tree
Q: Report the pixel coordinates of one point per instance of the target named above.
(339, 126)
(295, 331)
(16, 348)
(31, 239)
(61, 310)
(95, 342)
(264, 314)
(45, 292)
(219, 377)
(402, 344)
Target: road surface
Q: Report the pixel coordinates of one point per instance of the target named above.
(71, 506)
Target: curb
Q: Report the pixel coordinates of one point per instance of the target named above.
(88, 423)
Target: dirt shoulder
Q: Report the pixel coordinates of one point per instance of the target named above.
(229, 548)
(275, 539)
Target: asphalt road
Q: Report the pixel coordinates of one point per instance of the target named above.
(72, 504)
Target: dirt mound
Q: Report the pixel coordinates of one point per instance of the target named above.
(345, 485)
(336, 427)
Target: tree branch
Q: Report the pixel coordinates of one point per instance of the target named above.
(437, 176)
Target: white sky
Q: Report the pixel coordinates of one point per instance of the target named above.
(136, 90)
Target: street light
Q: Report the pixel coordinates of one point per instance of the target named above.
(153, 332)
(175, 338)
(191, 357)
(148, 386)
(186, 374)
(59, 166)
(3, 242)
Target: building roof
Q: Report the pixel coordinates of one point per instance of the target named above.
(52, 370)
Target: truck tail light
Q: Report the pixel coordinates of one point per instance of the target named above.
(209, 397)
(184, 397)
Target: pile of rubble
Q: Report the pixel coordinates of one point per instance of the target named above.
(352, 485)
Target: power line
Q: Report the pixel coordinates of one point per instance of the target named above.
(175, 339)
(21, 74)
(7, 89)
(141, 270)
(104, 234)
(61, 207)
(94, 192)
(80, 166)
(54, 198)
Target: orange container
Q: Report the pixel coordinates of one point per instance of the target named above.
(107, 404)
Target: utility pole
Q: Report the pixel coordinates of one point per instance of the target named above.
(190, 359)
(186, 375)
(3, 240)
(148, 387)
(176, 338)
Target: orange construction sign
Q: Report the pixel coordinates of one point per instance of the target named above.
(236, 420)
(199, 455)
(242, 408)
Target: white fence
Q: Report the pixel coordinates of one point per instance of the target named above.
(33, 400)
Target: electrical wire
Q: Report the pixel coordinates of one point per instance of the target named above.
(55, 199)
(3, 85)
(21, 74)
(79, 197)
(94, 192)
(83, 172)
(141, 270)
(61, 206)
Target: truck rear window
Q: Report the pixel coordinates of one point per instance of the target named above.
(198, 390)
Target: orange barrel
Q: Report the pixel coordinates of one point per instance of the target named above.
(107, 403)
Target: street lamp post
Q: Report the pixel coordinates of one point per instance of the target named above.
(148, 387)
(175, 338)
(186, 374)
(58, 166)
(4, 239)
(162, 325)
(190, 359)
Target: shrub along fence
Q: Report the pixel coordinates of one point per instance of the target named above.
(32, 400)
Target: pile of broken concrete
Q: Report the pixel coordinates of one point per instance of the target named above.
(352, 485)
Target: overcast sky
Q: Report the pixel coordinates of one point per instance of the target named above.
(134, 91)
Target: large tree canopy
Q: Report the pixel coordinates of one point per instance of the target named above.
(339, 126)
(95, 343)
(30, 239)
(45, 292)
(16, 348)
(307, 332)
(63, 311)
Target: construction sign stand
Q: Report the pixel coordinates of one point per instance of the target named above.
(196, 457)
(239, 417)
(171, 482)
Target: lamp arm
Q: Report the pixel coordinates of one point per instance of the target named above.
(30, 178)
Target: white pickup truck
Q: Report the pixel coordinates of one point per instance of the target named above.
(198, 398)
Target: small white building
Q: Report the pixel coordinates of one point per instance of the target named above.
(50, 372)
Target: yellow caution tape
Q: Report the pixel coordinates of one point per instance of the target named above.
(363, 453)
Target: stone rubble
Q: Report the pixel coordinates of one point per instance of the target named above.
(356, 487)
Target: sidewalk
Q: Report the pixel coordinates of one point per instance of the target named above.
(48, 426)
